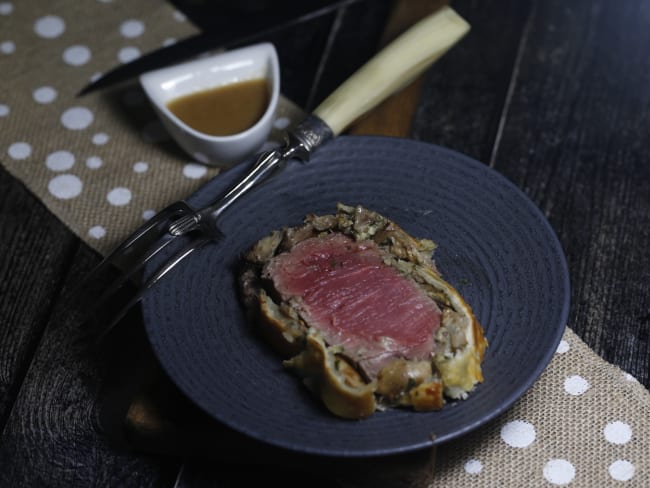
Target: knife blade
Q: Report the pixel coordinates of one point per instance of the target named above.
(256, 28)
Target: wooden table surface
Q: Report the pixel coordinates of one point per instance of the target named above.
(554, 95)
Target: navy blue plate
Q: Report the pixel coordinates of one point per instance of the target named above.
(495, 246)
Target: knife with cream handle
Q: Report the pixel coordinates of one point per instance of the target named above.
(392, 68)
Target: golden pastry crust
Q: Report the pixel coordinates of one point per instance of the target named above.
(451, 371)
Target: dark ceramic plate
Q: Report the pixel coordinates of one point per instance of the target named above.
(495, 246)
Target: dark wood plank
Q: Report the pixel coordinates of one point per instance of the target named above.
(50, 434)
(464, 94)
(575, 138)
(564, 115)
(353, 39)
(35, 252)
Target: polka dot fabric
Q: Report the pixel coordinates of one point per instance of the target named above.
(103, 162)
(583, 424)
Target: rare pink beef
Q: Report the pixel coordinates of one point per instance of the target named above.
(344, 290)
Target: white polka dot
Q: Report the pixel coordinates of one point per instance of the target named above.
(629, 377)
(4, 110)
(127, 54)
(119, 196)
(147, 214)
(49, 26)
(559, 471)
(20, 150)
(154, 132)
(77, 118)
(140, 167)
(194, 171)
(77, 55)
(97, 232)
(60, 160)
(281, 123)
(169, 41)
(473, 466)
(518, 433)
(94, 162)
(576, 385)
(95, 76)
(621, 470)
(65, 186)
(562, 347)
(44, 94)
(179, 16)
(7, 47)
(100, 138)
(6, 8)
(131, 28)
(618, 432)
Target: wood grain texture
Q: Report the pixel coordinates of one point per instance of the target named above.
(50, 435)
(35, 253)
(353, 39)
(463, 98)
(575, 139)
(555, 97)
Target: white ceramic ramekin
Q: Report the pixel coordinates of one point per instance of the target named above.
(252, 62)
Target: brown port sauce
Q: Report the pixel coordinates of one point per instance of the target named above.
(223, 110)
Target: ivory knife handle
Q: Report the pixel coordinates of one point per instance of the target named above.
(392, 68)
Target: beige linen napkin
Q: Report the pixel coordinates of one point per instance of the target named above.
(103, 164)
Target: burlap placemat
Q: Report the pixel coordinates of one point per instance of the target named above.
(584, 422)
(103, 164)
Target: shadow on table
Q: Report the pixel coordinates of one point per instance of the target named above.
(141, 410)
